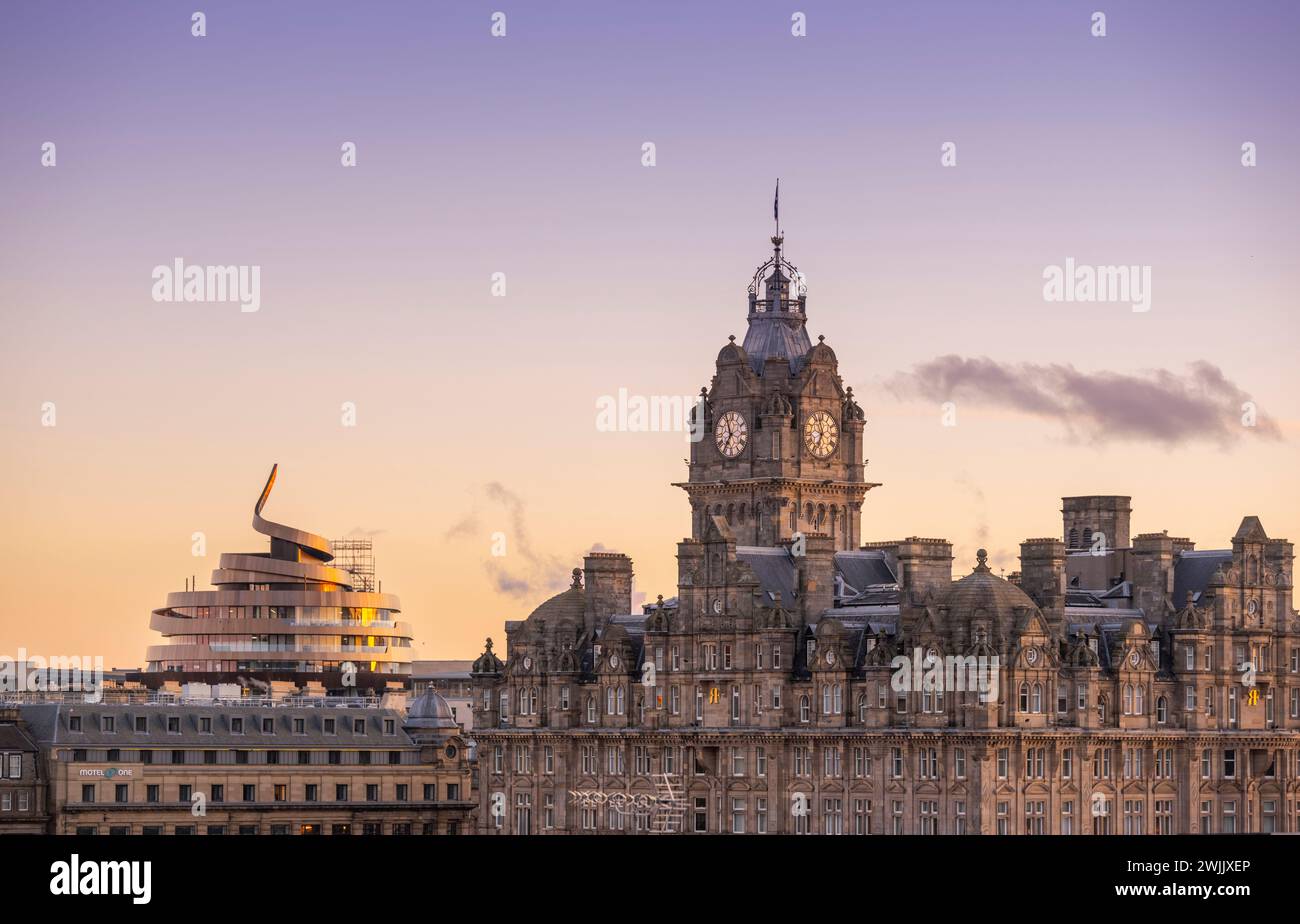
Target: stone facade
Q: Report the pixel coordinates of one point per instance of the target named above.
(22, 777)
(1100, 692)
(241, 768)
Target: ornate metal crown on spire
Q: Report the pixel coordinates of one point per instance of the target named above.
(776, 321)
(777, 283)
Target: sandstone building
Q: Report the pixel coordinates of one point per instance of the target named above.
(760, 698)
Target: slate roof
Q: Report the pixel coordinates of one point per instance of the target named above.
(13, 738)
(49, 724)
(1193, 571)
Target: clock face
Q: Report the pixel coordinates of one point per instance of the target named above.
(717, 605)
(528, 664)
(820, 434)
(731, 434)
(613, 661)
(830, 659)
(1031, 655)
(1134, 658)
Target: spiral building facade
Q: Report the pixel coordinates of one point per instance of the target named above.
(283, 614)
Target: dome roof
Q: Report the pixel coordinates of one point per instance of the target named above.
(568, 605)
(430, 710)
(984, 590)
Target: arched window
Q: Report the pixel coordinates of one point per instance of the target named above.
(740, 513)
(838, 701)
(532, 701)
(1073, 540)
(862, 709)
(1024, 697)
(805, 709)
(1128, 699)
(609, 700)
(826, 699)
(1101, 708)
(731, 513)
(1162, 710)
(1140, 701)
(1037, 705)
(821, 515)
(808, 513)
(620, 700)
(523, 701)
(591, 708)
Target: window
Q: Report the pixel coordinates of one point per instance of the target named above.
(896, 816)
(1134, 816)
(805, 709)
(1229, 765)
(74, 723)
(1067, 763)
(372, 792)
(1229, 817)
(959, 763)
(1067, 817)
(832, 816)
(760, 815)
(1024, 697)
(121, 793)
(331, 726)
(1034, 810)
(1003, 758)
(87, 792)
(1165, 816)
(896, 763)
(110, 724)
(831, 762)
(141, 723)
(280, 792)
(1036, 702)
(217, 793)
(1004, 818)
(737, 816)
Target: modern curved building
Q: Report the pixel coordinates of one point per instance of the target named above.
(286, 614)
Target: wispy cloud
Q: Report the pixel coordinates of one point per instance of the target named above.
(1156, 406)
(523, 571)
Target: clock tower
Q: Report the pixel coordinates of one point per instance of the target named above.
(781, 451)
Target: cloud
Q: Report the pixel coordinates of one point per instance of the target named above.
(358, 532)
(1156, 406)
(466, 527)
(523, 571)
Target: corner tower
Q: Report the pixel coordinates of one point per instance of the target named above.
(781, 451)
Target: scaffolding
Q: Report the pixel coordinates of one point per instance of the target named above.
(358, 557)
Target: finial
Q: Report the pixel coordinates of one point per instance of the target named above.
(660, 603)
(577, 577)
(981, 560)
(489, 644)
(732, 338)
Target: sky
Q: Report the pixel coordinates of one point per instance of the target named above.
(523, 155)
